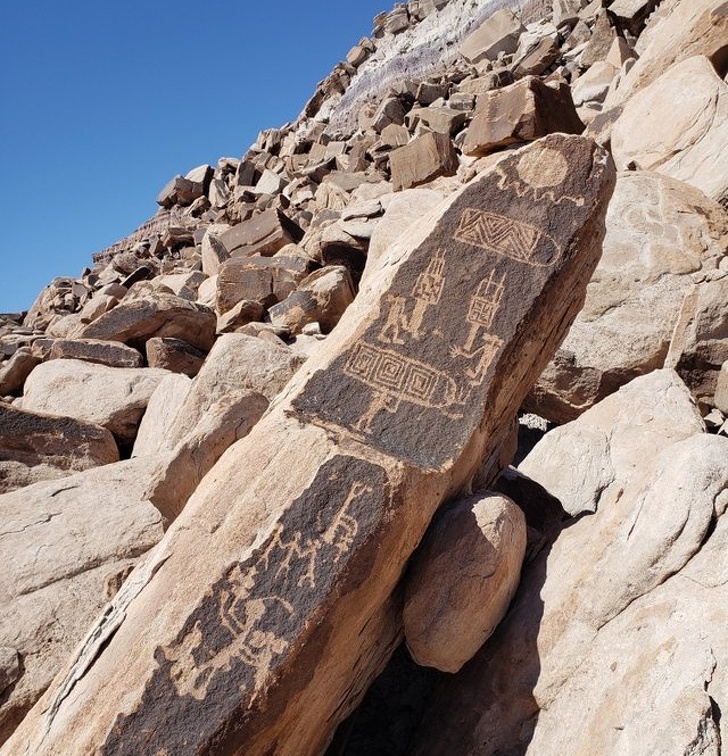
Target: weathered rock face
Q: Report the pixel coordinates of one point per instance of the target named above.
(65, 545)
(293, 543)
(498, 34)
(651, 258)
(109, 353)
(114, 398)
(690, 144)
(634, 625)
(422, 160)
(36, 447)
(462, 579)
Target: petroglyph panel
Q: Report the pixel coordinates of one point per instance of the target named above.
(428, 356)
(246, 622)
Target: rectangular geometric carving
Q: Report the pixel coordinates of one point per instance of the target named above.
(497, 233)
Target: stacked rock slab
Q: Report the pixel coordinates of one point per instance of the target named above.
(256, 628)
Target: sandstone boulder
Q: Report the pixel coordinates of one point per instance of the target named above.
(690, 144)
(158, 422)
(268, 604)
(114, 398)
(136, 321)
(523, 111)
(660, 232)
(14, 372)
(263, 234)
(462, 580)
(64, 543)
(36, 447)
(497, 34)
(175, 355)
(109, 353)
(423, 159)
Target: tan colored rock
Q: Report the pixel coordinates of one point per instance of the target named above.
(523, 111)
(601, 40)
(690, 144)
(659, 233)
(114, 398)
(263, 234)
(462, 579)
(36, 447)
(300, 533)
(109, 353)
(581, 463)
(213, 250)
(175, 355)
(699, 27)
(136, 321)
(498, 33)
(594, 84)
(14, 372)
(158, 422)
(624, 610)
(422, 160)
(178, 474)
(96, 307)
(720, 399)
(60, 541)
(320, 298)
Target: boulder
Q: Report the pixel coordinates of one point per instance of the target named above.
(267, 609)
(114, 398)
(175, 355)
(523, 111)
(260, 280)
(263, 234)
(37, 447)
(594, 84)
(625, 610)
(689, 145)
(64, 543)
(462, 579)
(320, 298)
(651, 253)
(136, 321)
(213, 251)
(422, 160)
(109, 353)
(14, 372)
(497, 34)
(158, 422)
(720, 399)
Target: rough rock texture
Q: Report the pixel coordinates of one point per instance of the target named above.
(422, 160)
(158, 422)
(175, 355)
(498, 34)
(14, 372)
(137, 321)
(634, 625)
(36, 447)
(114, 398)
(298, 536)
(661, 234)
(690, 144)
(64, 544)
(109, 353)
(462, 580)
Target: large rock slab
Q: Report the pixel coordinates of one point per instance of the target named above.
(690, 144)
(263, 234)
(136, 321)
(293, 543)
(625, 610)
(14, 372)
(499, 33)
(462, 579)
(65, 545)
(660, 233)
(521, 112)
(423, 159)
(109, 353)
(114, 398)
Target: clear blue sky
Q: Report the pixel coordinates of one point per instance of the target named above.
(103, 102)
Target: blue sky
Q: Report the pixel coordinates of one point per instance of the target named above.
(103, 102)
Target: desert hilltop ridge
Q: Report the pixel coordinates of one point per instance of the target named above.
(404, 433)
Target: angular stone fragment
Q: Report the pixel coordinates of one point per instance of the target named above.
(320, 298)
(179, 191)
(61, 540)
(262, 280)
(114, 398)
(462, 580)
(422, 160)
(134, 322)
(602, 36)
(175, 355)
(14, 372)
(632, 14)
(157, 425)
(37, 447)
(263, 234)
(264, 616)
(109, 353)
(538, 58)
(690, 144)
(499, 33)
(526, 110)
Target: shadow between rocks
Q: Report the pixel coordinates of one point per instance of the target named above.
(487, 708)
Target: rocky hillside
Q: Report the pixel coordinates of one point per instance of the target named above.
(405, 432)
